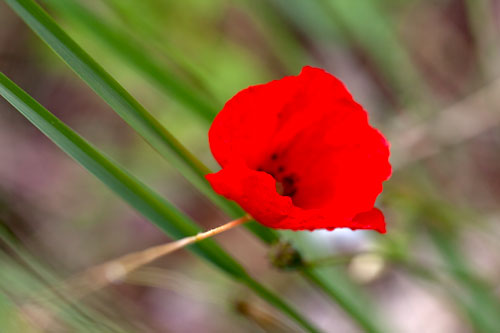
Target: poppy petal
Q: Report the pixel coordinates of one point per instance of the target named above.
(299, 153)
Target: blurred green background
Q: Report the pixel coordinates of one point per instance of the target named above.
(428, 72)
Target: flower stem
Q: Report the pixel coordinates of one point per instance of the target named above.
(100, 276)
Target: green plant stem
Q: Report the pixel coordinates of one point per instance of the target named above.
(127, 107)
(146, 125)
(137, 194)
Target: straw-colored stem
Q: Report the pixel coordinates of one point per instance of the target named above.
(99, 276)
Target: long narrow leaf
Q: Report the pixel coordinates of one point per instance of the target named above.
(138, 195)
(135, 193)
(130, 50)
(130, 110)
(147, 23)
(126, 106)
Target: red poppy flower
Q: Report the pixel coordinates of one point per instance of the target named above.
(298, 153)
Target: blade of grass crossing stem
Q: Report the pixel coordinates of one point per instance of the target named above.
(130, 51)
(126, 106)
(131, 190)
(135, 193)
(139, 119)
(104, 85)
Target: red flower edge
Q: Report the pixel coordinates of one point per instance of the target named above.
(298, 153)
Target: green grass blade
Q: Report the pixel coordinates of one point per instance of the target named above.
(135, 193)
(337, 285)
(130, 51)
(126, 106)
(104, 85)
(132, 112)
(138, 195)
(147, 23)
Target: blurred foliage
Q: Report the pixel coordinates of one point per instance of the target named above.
(427, 72)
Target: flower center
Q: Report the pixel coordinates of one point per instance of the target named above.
(286, 182)
(286, 186)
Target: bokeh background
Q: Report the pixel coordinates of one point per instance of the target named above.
(428, 72)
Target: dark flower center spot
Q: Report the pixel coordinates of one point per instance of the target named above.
(286, 184)
(286, 187)
(289, 187)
